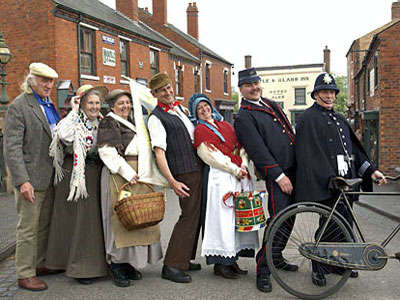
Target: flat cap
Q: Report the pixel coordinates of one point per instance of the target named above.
(159, 80)
(42, 70)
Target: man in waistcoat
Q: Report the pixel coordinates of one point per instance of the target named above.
(30, 120)
(326, 147)
(171, 134)
(268, 138)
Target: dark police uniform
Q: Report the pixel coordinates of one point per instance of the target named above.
(268, 138)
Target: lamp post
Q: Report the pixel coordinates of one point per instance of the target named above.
(5, 56)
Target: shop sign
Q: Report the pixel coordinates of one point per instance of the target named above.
(109, 57)
(108, 40)
(109, 79)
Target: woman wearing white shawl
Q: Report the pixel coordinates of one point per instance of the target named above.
(76, 242)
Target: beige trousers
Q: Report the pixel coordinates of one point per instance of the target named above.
(32, 231)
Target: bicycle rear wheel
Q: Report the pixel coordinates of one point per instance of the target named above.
(305, 221)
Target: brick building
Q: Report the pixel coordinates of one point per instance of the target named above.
(88, 42)
(373, 65)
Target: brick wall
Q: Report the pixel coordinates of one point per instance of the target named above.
(389, 83)
(28, 30)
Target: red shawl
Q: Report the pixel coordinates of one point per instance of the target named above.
(231, 147)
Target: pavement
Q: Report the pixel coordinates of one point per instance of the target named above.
(387, 206)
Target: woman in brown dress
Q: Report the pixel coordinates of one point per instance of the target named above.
(118, 149)
(76, 242)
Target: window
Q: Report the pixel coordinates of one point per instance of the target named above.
(226, 81)
(153, 62)
(196, 81)
(208, 69)
(294, 115)
(179, 81)
(299, 96)
(87, 51)
(124, 55)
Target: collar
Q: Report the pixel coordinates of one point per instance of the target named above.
(167, 107)
(122, 120)
(41, 100)
(256, 102)
(321, 108)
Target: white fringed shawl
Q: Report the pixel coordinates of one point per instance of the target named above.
(83, 141)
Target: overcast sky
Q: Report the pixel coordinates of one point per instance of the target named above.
(278, 32)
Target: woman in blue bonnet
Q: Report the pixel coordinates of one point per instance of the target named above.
(217, 145)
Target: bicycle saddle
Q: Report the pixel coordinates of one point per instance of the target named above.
(341, 183)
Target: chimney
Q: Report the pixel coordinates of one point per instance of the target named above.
(129, 8)
(193, 20)
(160, 12)
(247, 61)
(327, 59)
(395, 10)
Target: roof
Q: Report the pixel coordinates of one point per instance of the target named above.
(289, 67)
(366, 39)
(195, 42)
(175, 49)
(105, 14)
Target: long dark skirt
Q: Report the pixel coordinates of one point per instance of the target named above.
(76, 242)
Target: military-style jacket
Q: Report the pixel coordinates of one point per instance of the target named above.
(267, 136)
(320, 137)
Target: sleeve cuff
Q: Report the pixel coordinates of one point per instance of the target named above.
(280, 177)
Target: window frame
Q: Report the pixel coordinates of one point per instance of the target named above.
(296, 97)
(127, 58)
(207, 76)
(83, 53)
(179, 81)
(154, 66)
(225, 82)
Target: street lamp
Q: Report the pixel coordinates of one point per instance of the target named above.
(5, 56)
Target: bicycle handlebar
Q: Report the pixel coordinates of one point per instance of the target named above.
(391, 178)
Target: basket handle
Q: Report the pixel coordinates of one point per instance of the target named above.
(128, 183)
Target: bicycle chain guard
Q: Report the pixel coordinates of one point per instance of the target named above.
(355, 256)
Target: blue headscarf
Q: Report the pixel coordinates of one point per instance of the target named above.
(193, 102)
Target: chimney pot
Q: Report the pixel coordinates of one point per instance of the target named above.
(129, 8)
(395, 10)
(193, 20)
(160, 12)
(247, 61)
(327, 60)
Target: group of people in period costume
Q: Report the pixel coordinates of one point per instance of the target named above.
(67, 175)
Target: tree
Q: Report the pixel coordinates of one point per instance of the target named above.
(235, 97)
(341, 98)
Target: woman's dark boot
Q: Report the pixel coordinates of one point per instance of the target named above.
(225, 271)
(118, 275)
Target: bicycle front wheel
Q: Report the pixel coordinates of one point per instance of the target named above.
(288, 232)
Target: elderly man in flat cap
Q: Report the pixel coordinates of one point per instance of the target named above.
(171, 135)
(268, 138)
(30, 120)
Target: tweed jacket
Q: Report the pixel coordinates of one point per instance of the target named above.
(268, 138)
(27, 138)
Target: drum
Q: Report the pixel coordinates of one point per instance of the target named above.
(249, 212)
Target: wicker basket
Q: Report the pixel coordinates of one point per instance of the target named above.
(140, 210)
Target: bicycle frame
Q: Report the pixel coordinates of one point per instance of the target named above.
(342, 195)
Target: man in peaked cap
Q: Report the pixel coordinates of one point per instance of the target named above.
(268, 138)
(29, 122)
(171, 134)
(327, 147)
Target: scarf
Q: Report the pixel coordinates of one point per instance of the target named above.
(167, 107)
(49, 109)
(213, 129)
(83, 142)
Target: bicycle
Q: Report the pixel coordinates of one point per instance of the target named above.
(323, 239)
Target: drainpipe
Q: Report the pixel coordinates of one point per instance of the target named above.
(79, 49)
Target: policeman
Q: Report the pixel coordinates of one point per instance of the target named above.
(326, 147)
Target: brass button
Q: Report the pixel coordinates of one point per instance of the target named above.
(291, 143)
(283, 131)
(275, 120)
